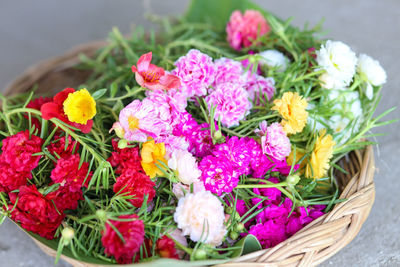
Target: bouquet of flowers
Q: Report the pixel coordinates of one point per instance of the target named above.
(219, 137)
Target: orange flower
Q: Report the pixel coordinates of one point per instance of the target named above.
(152, 154)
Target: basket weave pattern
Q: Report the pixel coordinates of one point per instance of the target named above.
(312, 245)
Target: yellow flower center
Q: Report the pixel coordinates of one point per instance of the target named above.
(133, 123)
(80, 106)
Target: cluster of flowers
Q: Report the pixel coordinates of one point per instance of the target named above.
(157, 138)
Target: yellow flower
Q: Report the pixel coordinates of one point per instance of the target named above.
(292, 108)
(299, 155)
(318, 164)
(152, 154)
(80, 106)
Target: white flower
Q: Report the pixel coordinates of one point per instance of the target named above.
(371, 72)
(180, 190)
(274, 59)
(327, 81)
(201, 216)
(339, 62)
(185, 166)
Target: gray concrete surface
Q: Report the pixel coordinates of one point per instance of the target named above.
(34, 30)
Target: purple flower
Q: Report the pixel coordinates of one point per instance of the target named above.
(218, 175)
(228, 70)
(231, 103)
(259, 87)
(196, 71)
(277, 213)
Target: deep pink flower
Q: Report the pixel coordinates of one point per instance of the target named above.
(66, 197)
(18, 150)
(196, 71)
(277, 213)
(231, 103)
(218, 175)
(62, 148)
(236, 151)
(152, 77)
(243, 30)
(269, 233)
(259, 88)
(68, 172)
(10, 179)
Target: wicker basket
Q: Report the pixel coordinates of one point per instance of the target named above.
(312, 245)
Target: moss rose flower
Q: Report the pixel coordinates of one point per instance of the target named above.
(133, 234)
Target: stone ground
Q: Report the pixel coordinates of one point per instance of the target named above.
(34, 30)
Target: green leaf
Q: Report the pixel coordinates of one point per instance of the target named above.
(99, 93)
(216, 13)
(247, 245)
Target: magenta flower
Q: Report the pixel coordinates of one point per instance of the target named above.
(228, 70)
(259, 88)
(237, 152)
(243, 30)
(152, 77)
(196, 71)
(218, 175)
(231, 103)
(275, 143)
(269, 234)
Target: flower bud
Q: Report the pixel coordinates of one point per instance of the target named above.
(122, 144)
(234, 235)
(229, 210)
(239, 227)
(237, 216)
(218, 135)
(200, 254)
(293, 179)
(119, 131)
(102, 215)
(67, 234)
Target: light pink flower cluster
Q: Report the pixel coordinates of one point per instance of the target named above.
(196, 71)
(228, 71)
(260, 89)
(231, 103)
(243, 30)
(274, 141)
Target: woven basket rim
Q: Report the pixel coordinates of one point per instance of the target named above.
(312, 245)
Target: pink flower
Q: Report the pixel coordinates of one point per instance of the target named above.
(243, 30)
(277, 213)
(237, 152)
(259, 88)
(275, 142)
(218, 175)
(269, 234)
(228, 70)
(152, 77)
(231, 103)
(196, 71)
(141, 119)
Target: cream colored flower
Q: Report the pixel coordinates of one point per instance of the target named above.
(371, 72)
(201, 216)
(185, 166)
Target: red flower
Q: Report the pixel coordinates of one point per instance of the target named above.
(127, 158)
(66, 197)
(136, 184)
(10, 179)
(55, 109)
(67, 172)
(165, 247)
(152, 77)
(131, 231)
(18, 150)
(35, 212)
(37, 104)
(58, 146)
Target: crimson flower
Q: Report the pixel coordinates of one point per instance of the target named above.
(55, 109)
(165, 247)
(131, 231)
(152, 77)
(35, 212)
(68, 172)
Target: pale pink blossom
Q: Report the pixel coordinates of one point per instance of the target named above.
(275, 142)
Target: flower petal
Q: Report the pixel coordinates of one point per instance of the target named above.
(144, 62)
